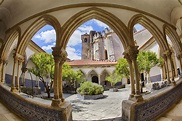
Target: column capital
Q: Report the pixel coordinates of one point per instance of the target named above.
(18, 57)
(167, 53)
(132, 51)
(127, 56)
(59, 54)
(179, 55)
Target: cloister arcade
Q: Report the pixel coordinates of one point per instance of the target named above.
(66, 19)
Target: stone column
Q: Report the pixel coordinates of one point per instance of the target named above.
(13, 88)
(180, 61)
(133, 51)
(4, 63)
(172, 65)
(131, 74)
(166, 67)
(63, 59)
(17, 77)
(56, 100)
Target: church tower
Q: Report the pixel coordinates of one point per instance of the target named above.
(85, 46)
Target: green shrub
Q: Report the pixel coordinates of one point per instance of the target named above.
(89, 88)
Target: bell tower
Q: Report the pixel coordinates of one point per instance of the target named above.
(85, 46)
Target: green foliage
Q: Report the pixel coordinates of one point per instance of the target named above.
(44, 65)
(44, 68)
(114, 78)
(89, 88)
(122, 68)
(147, 60)
(69, 75)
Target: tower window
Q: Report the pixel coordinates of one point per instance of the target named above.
(85, 40)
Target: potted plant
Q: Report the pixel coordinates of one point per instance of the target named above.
(89, 90)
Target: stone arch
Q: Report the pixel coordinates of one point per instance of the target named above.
(103, 76)
(171, 33)
(15, 34)
(150, 26)
(34, 27)
(91, 74)
(75, 21)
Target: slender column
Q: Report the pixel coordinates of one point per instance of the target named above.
(133, 51)
(3, 71)
(172, 65)
(131, 75)
(18, 78)
(180, 61)
(99, 79)
(166, 67)
(63, 59)
(56, 101)
(13, 88)
(60, 81)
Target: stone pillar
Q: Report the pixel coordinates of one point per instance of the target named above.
(133, 51)
(180, 61)
(63, 59)
(172, 66)
(13, 88)
(4, 63)
(18, 76)
(166, 67)
(56, 101)
(131, 74)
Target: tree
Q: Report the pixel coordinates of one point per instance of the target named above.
(122, 68)
(147, 60)
(44, 69)
(114, 78)
(71, 77)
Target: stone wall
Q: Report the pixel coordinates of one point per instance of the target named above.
(153, 107)
(32, 111)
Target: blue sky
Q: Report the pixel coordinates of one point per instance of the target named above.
(46, 37)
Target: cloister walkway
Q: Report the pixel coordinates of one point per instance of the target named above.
(106, 109)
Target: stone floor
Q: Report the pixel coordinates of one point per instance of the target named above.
(106, 109)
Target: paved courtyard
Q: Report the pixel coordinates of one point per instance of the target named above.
(107, 108)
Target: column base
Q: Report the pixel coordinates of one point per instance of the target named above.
(131, 96)
(56, 102)
(173, 83)
(138, 98)
(13, 89)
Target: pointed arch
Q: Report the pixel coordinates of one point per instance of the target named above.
(105, 70)
(151, 27)
(34, 27)
(171, 33)
(94, 13)
(92, 70)
(15, 34)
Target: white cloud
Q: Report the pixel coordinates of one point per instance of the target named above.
(75, 39)
(72, 53)
(101, 24)
(48, 47)
(47, 36)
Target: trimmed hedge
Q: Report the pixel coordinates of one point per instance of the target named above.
(89, 88)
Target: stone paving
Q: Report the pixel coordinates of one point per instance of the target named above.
(108, 107)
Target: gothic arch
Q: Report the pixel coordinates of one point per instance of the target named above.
(15, 34)
(151, 27)
(75, 21)
(173, 37)
(34, 27)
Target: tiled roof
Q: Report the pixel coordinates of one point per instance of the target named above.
(90, 63)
